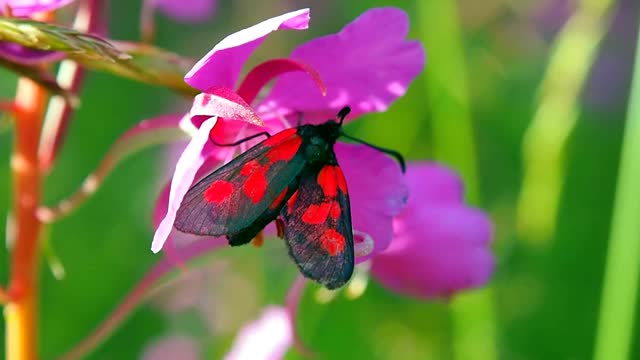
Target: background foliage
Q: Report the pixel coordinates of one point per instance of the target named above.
(471, 107)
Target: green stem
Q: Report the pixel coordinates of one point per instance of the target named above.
(448, 97)
(543, 148)
(447, 90)
(620, 286)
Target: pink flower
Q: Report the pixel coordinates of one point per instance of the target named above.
(440, 246)
(366, 66)
(368, 83)
(268, 338)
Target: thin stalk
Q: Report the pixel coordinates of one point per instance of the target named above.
(544, 142)
(447, 91)
(473, 314)
(620, 288)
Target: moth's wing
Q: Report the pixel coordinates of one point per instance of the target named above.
(231, 198)
(271, 213)
(317, 226)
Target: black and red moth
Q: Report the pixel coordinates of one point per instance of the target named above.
(292, 176)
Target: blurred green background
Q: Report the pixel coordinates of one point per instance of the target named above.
(520, 97)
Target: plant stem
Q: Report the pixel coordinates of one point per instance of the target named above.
(22, 311)
(447, 91)
(448, 95)
(545, 140)
(620, 287)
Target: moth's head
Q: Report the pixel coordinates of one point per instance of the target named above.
(330, 130)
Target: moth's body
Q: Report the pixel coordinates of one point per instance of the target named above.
(293, 175)
(320, 140)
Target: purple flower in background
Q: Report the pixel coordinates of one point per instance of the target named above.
(367, 84)
(184, 10)
(25, 8)
(440, 246)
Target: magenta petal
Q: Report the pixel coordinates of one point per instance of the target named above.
(225, 103)
(377, 191)
(436, 253)
(186, 168)
(260, 75)
(432, 183)
(268, 338)
(222, 65)
(28, 7)
(162, 204)
(186, 10)
(367, 65)
(439, 247)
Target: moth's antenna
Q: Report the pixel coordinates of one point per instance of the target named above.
(393, 153)
(264, 133)
(343, 113)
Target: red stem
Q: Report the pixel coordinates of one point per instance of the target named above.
(21, 312)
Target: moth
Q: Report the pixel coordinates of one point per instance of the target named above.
(292, 177)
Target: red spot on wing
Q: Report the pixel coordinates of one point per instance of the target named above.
(250, 167)
(332, 241)
(342, 182)
(327, 181)
(218, 191)
(279, 199)
(255, 185)
(286, 150)
(279, 137)
(316, 214)
(291, 202)
(335, 210)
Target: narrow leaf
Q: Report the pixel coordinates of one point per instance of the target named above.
(138, 62)
(51, 37)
